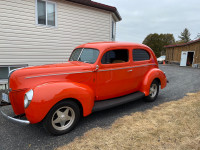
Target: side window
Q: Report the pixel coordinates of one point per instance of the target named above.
(115, 56)
(113, 30)
(46, 13)
(140, 55)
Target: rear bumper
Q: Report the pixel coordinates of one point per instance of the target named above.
(15, 119)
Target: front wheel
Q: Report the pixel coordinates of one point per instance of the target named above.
(62, 118)
(153, 91)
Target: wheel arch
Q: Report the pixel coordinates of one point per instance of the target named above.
(47, 96)
(75, 101)
(154, 74)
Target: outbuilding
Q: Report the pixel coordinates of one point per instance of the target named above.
(37, 32)
(186, 54)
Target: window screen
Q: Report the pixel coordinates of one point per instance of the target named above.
(41, 12)
(115, 56)
(140, 55)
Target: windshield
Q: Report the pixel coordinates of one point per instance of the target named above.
(162, 56)
(87, 55)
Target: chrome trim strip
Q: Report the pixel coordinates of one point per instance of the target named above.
(14, 120)
(114, 69)
(128, 67)
(89, 71)
(58, 74)
(145, 65)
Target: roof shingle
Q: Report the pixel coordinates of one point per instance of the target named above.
(184, 44)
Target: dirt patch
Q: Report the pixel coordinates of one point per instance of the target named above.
(173, 125)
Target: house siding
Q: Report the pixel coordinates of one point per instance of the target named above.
(22, 41)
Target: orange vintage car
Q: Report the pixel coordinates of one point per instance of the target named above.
(97, 76)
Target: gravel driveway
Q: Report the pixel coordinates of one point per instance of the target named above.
(12, 136)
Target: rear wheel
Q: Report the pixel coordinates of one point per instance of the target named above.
(153, 91)
(62, 118)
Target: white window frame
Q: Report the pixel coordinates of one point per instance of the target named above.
(36, 13)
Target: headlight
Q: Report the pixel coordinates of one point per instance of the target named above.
(27, 98)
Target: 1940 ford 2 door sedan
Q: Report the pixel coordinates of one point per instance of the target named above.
(97, 76)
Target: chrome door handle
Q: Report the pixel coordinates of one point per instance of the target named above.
(130, 70)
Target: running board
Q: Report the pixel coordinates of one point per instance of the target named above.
(106, 104)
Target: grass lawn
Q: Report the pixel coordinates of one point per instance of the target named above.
(172, 125)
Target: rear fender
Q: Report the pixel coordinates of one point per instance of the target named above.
(47, 95)
(150, 76)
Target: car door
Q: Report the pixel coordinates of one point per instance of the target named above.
(113, 75)
(142, 63)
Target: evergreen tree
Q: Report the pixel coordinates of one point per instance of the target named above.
(198, 36)
(185, 36)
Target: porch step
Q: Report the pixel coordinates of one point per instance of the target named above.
(106, 104)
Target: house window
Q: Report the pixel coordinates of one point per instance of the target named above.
(113, 30)
(115, 56)
(140, 55)
(46, 13)
(4, 70)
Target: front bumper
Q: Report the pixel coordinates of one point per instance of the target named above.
(15, 119)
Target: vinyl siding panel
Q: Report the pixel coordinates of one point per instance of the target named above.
(22, 41)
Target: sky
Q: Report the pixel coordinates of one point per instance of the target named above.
(142, 17)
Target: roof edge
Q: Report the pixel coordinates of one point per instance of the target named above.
(99, 6)
(184, 44)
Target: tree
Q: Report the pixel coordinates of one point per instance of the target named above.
(198, 36)
(157, 42)
(185, 36)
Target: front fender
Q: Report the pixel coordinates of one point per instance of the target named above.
(150, 76)
(47, 95)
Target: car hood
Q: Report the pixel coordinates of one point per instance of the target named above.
(32, 76)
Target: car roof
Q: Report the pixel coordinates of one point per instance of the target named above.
(105, 45)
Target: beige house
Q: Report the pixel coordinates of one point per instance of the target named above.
(36, 32)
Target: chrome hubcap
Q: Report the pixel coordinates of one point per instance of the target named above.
(63, 118)
(153, 90)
